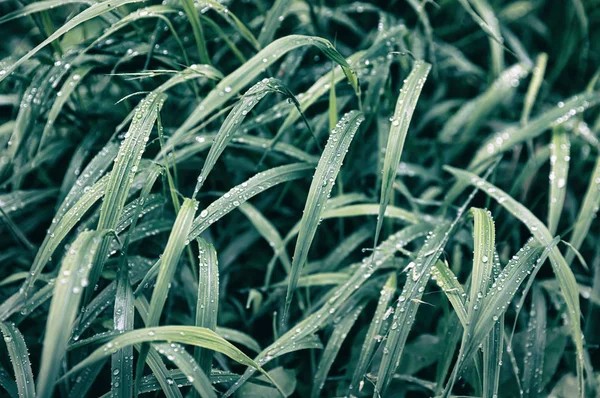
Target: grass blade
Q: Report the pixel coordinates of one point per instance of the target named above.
(405, 106)
(533, 360)
(207, 306)
(375, 329)
(559, 163)
(19, 356)
(564, 274)
(72, 280)
(323, 180)
(188, 366)
(273, 20)
(534, 86)
(332, 349)
(590, 205)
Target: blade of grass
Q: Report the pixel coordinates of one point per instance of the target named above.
(564, 274)
(72, 280)
(323, 180)
(19, 357)
(407, 101)
(207, 306)
(559, 164)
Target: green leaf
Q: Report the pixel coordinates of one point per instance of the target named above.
(564, 274)
(559, 164)
(19, 357)
(207, 306)
(323, 180)
(405, 106)
(71, 281)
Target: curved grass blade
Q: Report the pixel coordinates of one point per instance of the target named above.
(533, 360)
(243, 192)
(337, 298)
(405, 106)
(62, 97)
(564, 274)
(19, 356)
(121, 176)
(529, 258)
(196, 336)
(508, 138)
(231, 124)
(39, 6)
(273, 20)
(465, 122)
(192, 14)
(375, 329)
(168, 265)
(93, 11)
(241, 77)
(323, 180)
(534, 86)
(72, 279)
(238, 337)
(188, 366)
(207, 306)
(332, 349)
(559, 164)
(590, 205)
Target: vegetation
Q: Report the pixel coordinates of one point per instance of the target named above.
(299, 198)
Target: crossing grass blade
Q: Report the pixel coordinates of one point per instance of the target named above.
(93, 11)
(533, 359)
(375, 328)
(192, 335)
(169, 262)
(19, 356)
(235, 118)
(273, 20)
(188, 366)
(121, 176)
(207, 306)
(323, 180)
(559, 170)
(72, 280)
(590, 205)
(405, 106)
(534, 86)
(339, 334)
(241, 77)
(564, 274)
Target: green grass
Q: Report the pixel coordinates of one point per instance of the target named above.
(325, 198)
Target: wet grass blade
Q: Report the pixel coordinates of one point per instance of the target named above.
(564, 274)
(590, 205)
(273, 20)
(332, 349)
(233, 122)
(168, 265)
(534, 86)
(375, 329)
(241, 77)
(188, 366)
(323, 180)
(559, 170)
(405, 106)
(93, 11)
(533, 360)
(19, 357)
(72, 280)
(192, 335)
(207, 306)
(122, 174)
(192, 14)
